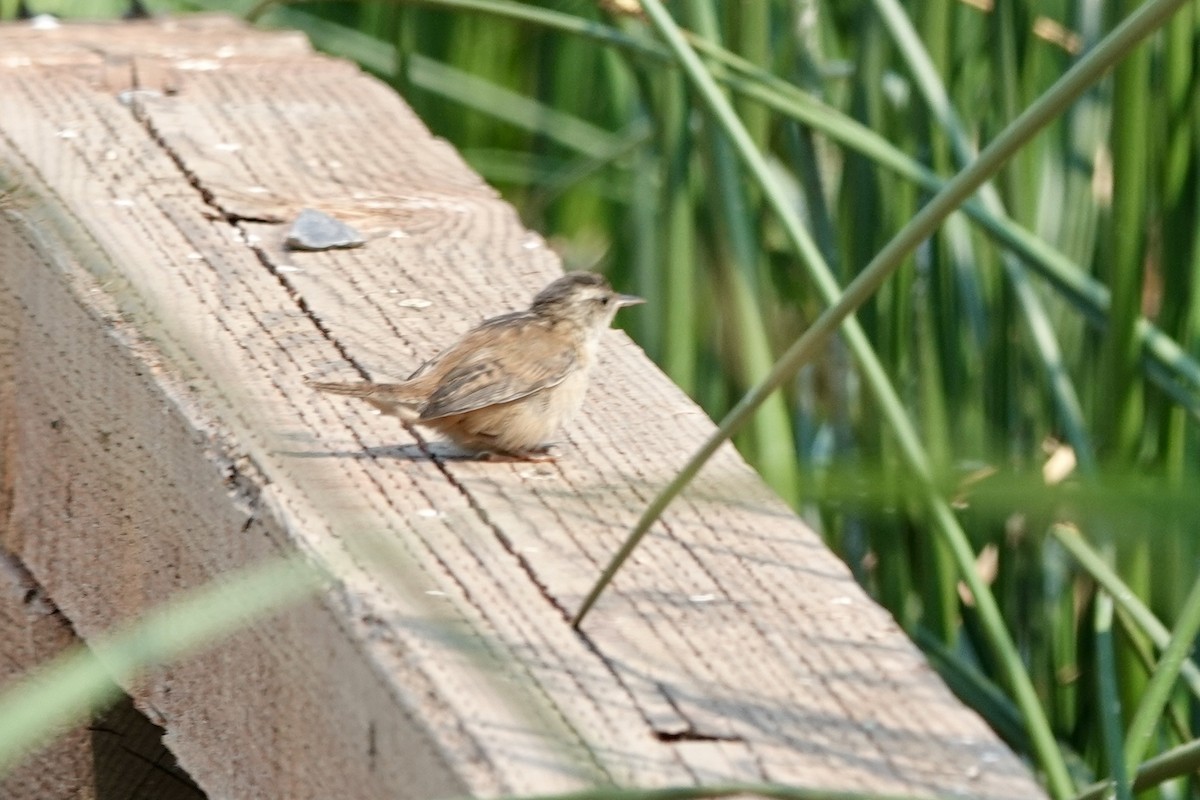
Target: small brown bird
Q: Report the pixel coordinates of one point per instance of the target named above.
(506, 386)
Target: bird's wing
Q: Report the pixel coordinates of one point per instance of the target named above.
(473, 339)
(504, 359)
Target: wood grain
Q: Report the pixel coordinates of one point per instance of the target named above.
(162, 434)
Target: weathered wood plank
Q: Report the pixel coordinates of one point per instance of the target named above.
(163, 434)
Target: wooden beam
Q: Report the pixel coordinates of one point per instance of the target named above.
(159, 433)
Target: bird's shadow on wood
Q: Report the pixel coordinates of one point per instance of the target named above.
(439, 451)
(399, 452)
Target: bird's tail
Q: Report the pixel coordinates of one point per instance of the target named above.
(359, 389)
(398, 399)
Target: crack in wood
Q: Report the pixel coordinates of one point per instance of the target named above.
(689, 731)
(234, 218)
(692, 735)
(208, 196)
(33, 593)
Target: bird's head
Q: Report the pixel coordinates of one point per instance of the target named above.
(582, 298)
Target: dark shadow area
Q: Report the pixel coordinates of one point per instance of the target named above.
(433, 451)
(132, 763)
(398, 452)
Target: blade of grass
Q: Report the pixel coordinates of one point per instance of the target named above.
(513, 107)
(1139, 643)
(973, 688)
(72, 685)
(537, 172)
(771, 790)
(1074, 543)
(268, 12)
(769, 436)
(578, 170)
(929, 82)
(1175, 763)
(1122, 257)
(679, 261)
(752, 26)
(1109, 700)
(1162, 682)
(938, 588)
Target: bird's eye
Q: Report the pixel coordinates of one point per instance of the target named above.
(605, 300)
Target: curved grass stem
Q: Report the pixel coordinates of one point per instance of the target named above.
(1162, 681)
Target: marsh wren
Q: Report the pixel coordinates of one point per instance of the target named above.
(506, 386)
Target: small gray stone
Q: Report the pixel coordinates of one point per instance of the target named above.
(315, 230)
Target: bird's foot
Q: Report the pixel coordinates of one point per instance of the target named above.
(539, 455)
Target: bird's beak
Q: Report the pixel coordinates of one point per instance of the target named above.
(629, 300)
